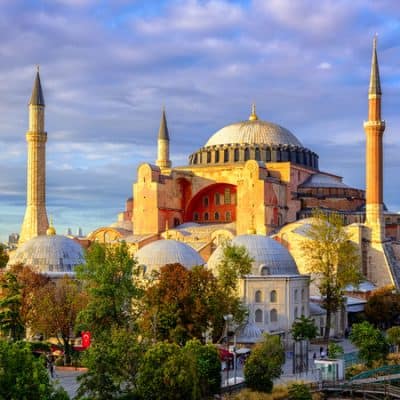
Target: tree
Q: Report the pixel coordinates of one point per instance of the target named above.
(333, 258)
(3, 256)
(393, 336)
(22, 376)
(108, 278)
(304, 328)
(335, 350)
(371, 343)
(264, 364)
(383, 307)
(112, 360)
(55, 309)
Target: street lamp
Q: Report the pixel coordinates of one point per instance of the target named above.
(228, 318)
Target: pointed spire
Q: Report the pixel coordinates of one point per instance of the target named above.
(253, 115)
(37, 98)
(163, 131)
(375, 81)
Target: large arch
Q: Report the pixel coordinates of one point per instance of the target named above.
(215, 203)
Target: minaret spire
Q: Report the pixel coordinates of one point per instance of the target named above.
(163, 160)
(374, 129)
(35, 220)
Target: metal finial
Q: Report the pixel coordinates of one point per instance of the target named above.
(37, 67)
(253, 115)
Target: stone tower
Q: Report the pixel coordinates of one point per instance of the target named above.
(163, 160)
(374, 128)
(35, 220)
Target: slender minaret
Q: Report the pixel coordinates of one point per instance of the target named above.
(374, 129)
(163, 160)
(35, 220)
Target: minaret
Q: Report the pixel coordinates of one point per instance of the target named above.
(374, 129)
(163, 160)
(35, 220)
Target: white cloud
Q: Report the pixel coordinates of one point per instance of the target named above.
(324, 65)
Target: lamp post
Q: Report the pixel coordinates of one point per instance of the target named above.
(228, 318)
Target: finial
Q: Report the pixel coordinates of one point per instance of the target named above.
(37, 67)
(253, 115)
(374, 83)
(51, 230)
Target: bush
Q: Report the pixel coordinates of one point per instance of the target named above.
(299, 391)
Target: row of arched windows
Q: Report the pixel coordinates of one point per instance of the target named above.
(296, 295)
(217, 216)
(273, 316)
(273, 296)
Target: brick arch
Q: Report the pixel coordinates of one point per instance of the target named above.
(205, 203)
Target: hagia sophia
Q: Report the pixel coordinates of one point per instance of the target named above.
(253, 182)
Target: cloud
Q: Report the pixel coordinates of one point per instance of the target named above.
(324, 65)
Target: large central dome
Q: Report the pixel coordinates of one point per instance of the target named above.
(254, 132)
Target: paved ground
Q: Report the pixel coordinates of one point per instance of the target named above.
(67, 379)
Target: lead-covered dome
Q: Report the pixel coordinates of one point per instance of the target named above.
(49, 254)
(162, 252)
(254, 132)
(270, 257)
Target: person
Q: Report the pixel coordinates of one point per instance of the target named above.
(50, 365)
(314, 356)
(323, 354)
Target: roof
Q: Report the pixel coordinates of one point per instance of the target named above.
(55, 253)
(267, 253)
(323, 181)
(375, 81)
(37, 98)
(253, 132)
(163, 131)
(249, 333)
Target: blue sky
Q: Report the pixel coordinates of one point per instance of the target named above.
(108, 67)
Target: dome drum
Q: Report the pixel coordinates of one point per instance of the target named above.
(238, 152)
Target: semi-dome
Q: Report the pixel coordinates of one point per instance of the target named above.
(162, 252)
(269, 256)
(254, 132)
(49, 254)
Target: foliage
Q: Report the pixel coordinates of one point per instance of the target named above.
(108, 280)
(112, 361)
(264, 364)
(170, 372)
(370, 341)
(182, 304)
(299, 391)
(3, 256)
(383, 307)
(54, 311)
(22, 376)
(304, 328)
(333, 258)
(393, 335)
(335, 350)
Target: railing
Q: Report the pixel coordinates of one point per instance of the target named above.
(373, 388)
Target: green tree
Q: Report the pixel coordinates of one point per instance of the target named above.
(112, 360)
(3, 256)
(22, 376)
(371, 343)
(335, 350)
(383, 307)
(333, 258)
(304, 328)
(264, 364)
(299, 391)
(393, 336)
(108, 277)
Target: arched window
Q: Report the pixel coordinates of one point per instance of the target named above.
(302, 311)
(205, 201)
(257, 154)
(216, 156)
(258, 296)
(206, 216)
(303, 295)
(246, 154)
(273, 296)
(195, 216)
(296, 295)
(267, 155)
(236, 155)
(259, 316)
(208, 157)
(228, 216)
(296, 313)
(216, 216)
(226, 155)
(273, 315)
(264, 270)
(217, 199)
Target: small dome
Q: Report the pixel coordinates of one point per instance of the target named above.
(162, 252)
(49, 254)
(324, 181)
(270, 257)
(253, 132)
(249, 333)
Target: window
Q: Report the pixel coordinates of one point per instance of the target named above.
(296, 313)
(227, 196)
(273, 296)
(257, 154)
(226, 155)
(264, 270)
(258, 296)
(177, 222)
(258, 316)
(208, 157)
(205, 201)
(296, 295)
(196, 216)
(267, 155)
(302, 311)
(246, 154)
(216, 216)
(236, 155)
(206, 216)
(217, 199)
(217, 156)
(273, 315)
(303, 296)
(228, 216)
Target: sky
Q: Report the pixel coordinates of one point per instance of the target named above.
(108, 68)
